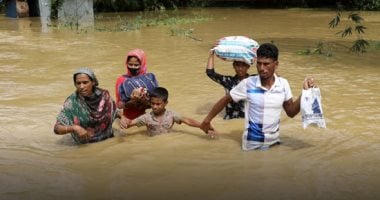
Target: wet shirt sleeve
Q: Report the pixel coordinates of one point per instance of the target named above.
(142, 120)
(225, 81)
(239, 92)
(288, 91)
(176, 117)
(65, 116)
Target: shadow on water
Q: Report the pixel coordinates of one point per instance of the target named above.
(294, 143)
(234, 135)
(287, 141)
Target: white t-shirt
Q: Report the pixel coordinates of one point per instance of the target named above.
(263, 110)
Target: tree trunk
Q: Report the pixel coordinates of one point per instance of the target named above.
(45, 10)
(76, 14)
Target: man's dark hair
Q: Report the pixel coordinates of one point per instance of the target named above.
(160, 92)
(268, 50)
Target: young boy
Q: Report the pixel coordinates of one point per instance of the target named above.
(160, 120)
(232, 109)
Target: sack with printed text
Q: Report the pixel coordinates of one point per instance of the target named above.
(311, 108)
(236, 48)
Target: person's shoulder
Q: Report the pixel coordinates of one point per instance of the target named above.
(282, 79)
(252, 77)
(150, 74)
(170, 112)
(174, 115)
(147, 114)
(102, 91)
(120, 79)
(144, 117)
(72, 97)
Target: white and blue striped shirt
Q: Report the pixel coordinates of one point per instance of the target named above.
(263, 110)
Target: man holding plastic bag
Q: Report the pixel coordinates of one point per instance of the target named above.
(265, 95)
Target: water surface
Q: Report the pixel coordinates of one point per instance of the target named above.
(339, 162)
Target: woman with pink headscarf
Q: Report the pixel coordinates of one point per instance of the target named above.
(132, 88)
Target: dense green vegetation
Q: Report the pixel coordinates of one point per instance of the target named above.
(139, 5)
(150, 19)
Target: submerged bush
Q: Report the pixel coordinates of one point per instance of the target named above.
(149, 19)
(320, 49)
(140, 5)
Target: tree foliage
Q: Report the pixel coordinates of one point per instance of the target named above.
(356, 27)
(55, 5)
(365, 4)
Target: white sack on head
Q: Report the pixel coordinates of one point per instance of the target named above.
(236, 48)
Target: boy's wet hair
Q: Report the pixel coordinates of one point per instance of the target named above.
(159, 92)
(267, 50)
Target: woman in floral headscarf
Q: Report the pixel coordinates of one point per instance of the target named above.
(89, 112)
(131, 88)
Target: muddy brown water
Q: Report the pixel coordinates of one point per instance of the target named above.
(339, 162)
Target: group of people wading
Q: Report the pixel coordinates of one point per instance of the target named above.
(89, 112)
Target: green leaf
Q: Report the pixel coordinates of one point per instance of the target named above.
(304, 52)
(334, 22)
(359, 46)
(355, 17)
(360, 29)
(345, 32)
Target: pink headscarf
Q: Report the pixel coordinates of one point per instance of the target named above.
(139, 54)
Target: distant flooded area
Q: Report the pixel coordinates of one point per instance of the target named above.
(36, 67)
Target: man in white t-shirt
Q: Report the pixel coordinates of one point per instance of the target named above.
(265, 95)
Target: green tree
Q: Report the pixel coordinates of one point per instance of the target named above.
(356, 27)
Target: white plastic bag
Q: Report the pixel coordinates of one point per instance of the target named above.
(311, 108)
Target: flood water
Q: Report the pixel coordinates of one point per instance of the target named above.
(339, 162)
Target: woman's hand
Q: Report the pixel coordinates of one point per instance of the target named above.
(124, 122)
(138, 93)
(120, 105)
(82, 132)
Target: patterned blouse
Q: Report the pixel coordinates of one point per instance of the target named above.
(233, 109)
(96, 114)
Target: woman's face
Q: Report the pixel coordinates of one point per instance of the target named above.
(84, 85)
(133, 65)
